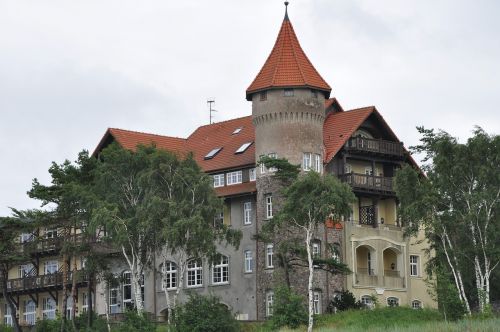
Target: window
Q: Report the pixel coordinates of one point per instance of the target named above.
(252, 174)
(262, 166)
(269, 256)
(316, 249)
(269, 303)
(370, 264)
(237, 131)
(50, 233)
(288, 93)
(368, 171)
(219, 218)
(85, 302)
(247, 213)
(316, 303)
(248, 261)
(416, 304)
(127, 290)
(212, 153)
(26, 237)
(392, 302)
(335, 251)
(234, 177)
(114, 306)
(269, 206)
(218, 180)
(306, 161)
(25, 270)
(169, 270)
(69, 307)
(414, 268)
(48, 308)
(243, 148)
(220, 271)
(314, 93)
(194, 273)
(273, 155)
(317, 163)
(347, 168)
(7, 316)
(367, 301)
(50, 267)
(29, 312)
(263, 95)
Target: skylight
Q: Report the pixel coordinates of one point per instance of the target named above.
(212, 153)
(237, 131)
(243, 148)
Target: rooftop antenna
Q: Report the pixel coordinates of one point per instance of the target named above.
(210, 102)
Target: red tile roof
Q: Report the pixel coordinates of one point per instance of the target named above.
(287, 66)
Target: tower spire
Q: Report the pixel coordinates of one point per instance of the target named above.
(286, 10)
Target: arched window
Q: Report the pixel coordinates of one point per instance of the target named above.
(220, 271)
(169, 270)
(367, 301)
(416, 304)
(29, 312)
(392, 301)
(194, 273)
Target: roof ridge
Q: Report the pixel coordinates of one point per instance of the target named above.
(145, 133)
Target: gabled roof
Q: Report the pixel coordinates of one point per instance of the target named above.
(287, 66)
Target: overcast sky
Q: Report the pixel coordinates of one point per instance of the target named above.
(71, 69)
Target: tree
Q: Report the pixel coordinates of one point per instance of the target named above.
(457, 204)
(184, 205)
(288, 309)
(309, 200)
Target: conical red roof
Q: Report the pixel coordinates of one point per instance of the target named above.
(287, 66)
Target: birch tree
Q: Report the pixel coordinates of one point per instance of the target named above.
(458, 205)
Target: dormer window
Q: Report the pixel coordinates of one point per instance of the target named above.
(237, 131)
(212, 153)
(288, 93)
(243, 148)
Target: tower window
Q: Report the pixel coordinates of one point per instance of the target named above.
(314, 93)
(263, 95)
(288, 93)
(269, 206)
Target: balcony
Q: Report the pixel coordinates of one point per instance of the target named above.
(368, 183)
(43, 282)
(375, 146)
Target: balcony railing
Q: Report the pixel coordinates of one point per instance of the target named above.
(368, 182)
(378, 146)
(42, 245)
(390, 279)
(44, 281)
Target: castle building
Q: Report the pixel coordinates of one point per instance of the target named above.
(293, 117)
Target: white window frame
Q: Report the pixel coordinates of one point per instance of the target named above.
(212, 153)
(29, 312)
(50, 267)
(272, 155)
(235, 177)
(247, 213)
(262, 166)
(24, 270)
(367, 301)
(237, 131)
(307, 161)
(127, 284)
(252, 174)
(317, 163)
(416, 304)
(220, 271)
(391, 299)
(368, 170)
(316, 248)
(85, 302)
(317, 303)
(114, 305)
(243, 147)
(50, 233)
(194, 272)
(48, 308)
(248, 261)
(218, 180)
(269, 303)
(269, 206)
(415, 266)
(270, 256)
(26, 237)
(169, 269)
(347, 168)
(7, 316)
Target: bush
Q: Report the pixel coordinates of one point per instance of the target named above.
(98, 323)
(289, 309)
(135, 323)
(344, 301)
(204, 314)
(4, 328)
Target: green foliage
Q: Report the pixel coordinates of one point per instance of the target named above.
(204, 314)
(447, 296)
(135, 322)
(345, 301)
(285, 172)
(289, 309)
(4, 328)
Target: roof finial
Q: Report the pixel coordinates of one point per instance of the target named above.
(286, 10)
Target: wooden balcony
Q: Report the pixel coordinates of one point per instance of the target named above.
(369, 183)
(44, 282)
(42, 246)
(375, 146)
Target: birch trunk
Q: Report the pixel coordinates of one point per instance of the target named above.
(136, 283)
(106, 305)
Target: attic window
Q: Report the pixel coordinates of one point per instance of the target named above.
(237, 131)
(243, 148)
(212, 153)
